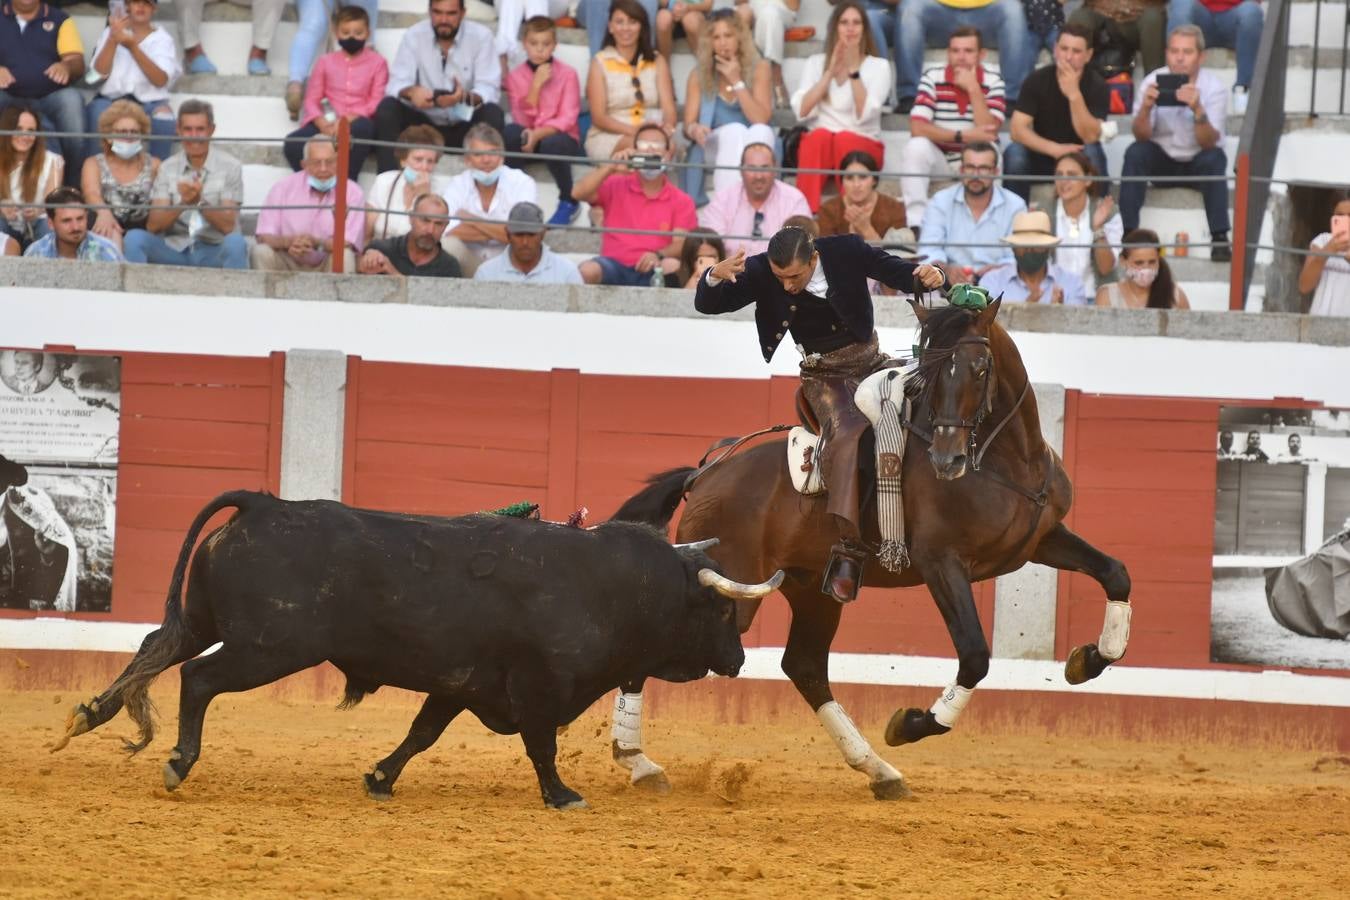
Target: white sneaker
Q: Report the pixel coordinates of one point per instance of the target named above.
(1239, 105)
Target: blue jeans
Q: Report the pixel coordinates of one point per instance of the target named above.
(61, 110)
(140, 246)
(594, 14)
(1002, 24)
(362, 129)
(1147, 158)
(312, 33)
(614, 272)
(1018, 160)
(885, 24)
(25, 232)
(1238, 29)
(159, 126)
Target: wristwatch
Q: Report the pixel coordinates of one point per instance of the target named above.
(857, 74)
(960, 137)
(738, 86)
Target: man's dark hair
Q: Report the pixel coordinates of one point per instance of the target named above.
(62, 196)
(967, 31)
(981, 147)
(790, 245)
(1076, 29)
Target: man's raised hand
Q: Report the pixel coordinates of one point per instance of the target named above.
(729, 268)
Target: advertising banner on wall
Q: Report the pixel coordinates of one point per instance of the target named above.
(1282, 538)
(59, 420)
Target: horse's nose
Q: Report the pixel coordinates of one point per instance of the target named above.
(949, 467)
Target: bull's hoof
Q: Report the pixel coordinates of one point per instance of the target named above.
(376, 788)
(909, 725)
(77, 723)
(653, 782)
(891, 789)
(1084, 664)
(172, 778)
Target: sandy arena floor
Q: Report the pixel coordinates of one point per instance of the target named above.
(275, 808)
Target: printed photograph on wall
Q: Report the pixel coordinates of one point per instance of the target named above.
(59, 420)
(1282, 538)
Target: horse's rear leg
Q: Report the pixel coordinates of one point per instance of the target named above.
(626, 741)
(949, 583)
(1063, 549)
(806, 661)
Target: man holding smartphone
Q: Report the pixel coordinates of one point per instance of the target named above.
(1179, 114)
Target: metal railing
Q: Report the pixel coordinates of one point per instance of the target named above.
(1330, 35)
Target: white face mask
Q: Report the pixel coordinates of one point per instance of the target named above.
(126, 149)
(1141, 275)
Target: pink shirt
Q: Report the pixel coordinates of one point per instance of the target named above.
(559, 98)
(294, 190)
(353, 84)
(625, 206)
(729, 212)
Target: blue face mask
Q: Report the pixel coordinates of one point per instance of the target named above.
(323, 185)
(486, 179)
(411, 175)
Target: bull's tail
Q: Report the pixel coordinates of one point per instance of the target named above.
(172, 643)
(655, 504)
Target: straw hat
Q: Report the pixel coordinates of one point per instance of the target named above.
(1031, 229)
(903, 243)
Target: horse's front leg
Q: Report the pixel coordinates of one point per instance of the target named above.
(626, 741)
(949, 583)
(1063, 549)
(806, 661)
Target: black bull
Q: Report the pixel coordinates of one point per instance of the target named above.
(523, 623)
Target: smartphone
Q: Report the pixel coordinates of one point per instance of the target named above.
(1340, 228)
(1168, 84)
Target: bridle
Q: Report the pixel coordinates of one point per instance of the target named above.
(983, 409)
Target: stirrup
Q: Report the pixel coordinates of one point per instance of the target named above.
(844, 572)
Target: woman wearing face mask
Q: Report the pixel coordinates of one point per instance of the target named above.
(1083, 216)
(139, 62)
(628, 84)
(121, 176)
(860, 208)
(1145, 278)
(345, 84)
(1326, 270)
(394, 191)
(728, 103)
(702, 250)
(27, 174)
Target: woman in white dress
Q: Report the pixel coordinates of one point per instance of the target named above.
(1326, 271)
(27, 174)
(1084, 214)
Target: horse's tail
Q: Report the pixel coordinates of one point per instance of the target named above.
(173, 642)
(655, 504)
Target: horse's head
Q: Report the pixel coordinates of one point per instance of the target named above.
(11, 474)
(956, 380)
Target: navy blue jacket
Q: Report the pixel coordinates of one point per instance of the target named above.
(848, 262)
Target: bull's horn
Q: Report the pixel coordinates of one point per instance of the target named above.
(737, 591)
(697, 545)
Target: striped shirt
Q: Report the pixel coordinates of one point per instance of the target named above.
(92, 249)
(947, 106)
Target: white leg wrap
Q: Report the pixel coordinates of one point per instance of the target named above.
(1115, 630)
(627, 728)
(857, 752)
(948, 707)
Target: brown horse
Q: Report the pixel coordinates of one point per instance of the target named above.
(983, 503)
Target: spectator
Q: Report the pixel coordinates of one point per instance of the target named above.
(202, 176)
(1146, 278)
(840, 98)
(1235, 24)
(27, 174)
(770, 20)
(1085, 214)
(958, 104)
(643, 200)
(8, 246)
(805, 223)
(511, 16)
(41, 57)
(702, 250)
(1002, 23)
(393, 192)
(1253, 451)
(419, 251)
(860, 208)
(315, 19)
(757, 206)
(266, 16)
(687, 15)
(120, 178)
(293, 235)
(595, 16)
(139, 62)
(68, 235)
(351, 80)
(445, 74)
(545, 98)
(625, 78)
(1140, 24)
(965, 223)
(722, 115)
(1061, 110)
(1326, 268)
(1181, 133)
(481, 198)
(1033, 277)
(527, 259)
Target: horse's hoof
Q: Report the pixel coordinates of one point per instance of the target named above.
(569, 803)
(904, 726)
(171, 777)
(653, 783)
(893, 789)
(77, 723)
(376, 789)
(1084, 664)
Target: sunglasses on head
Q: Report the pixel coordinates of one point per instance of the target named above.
(717, 15)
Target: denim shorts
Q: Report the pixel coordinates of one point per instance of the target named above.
(614, 272)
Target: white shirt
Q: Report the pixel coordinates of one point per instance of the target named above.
(472, 62)
(1332, 296)
(1078, 260)
(836, 110)
(125, 77)
(461, 193)
(816, 285)
(1174, 126)
(386, 194)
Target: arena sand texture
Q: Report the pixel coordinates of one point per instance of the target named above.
(275, 808)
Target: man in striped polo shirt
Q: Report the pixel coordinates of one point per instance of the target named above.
(957, 104)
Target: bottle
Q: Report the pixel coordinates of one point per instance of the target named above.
(1182, 242)
(329, 114)
(658, 276)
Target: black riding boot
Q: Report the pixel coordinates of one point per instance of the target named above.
(843, 574)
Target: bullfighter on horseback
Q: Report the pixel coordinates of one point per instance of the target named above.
(816, 290)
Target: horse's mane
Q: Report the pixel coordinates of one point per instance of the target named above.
(938, 335)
